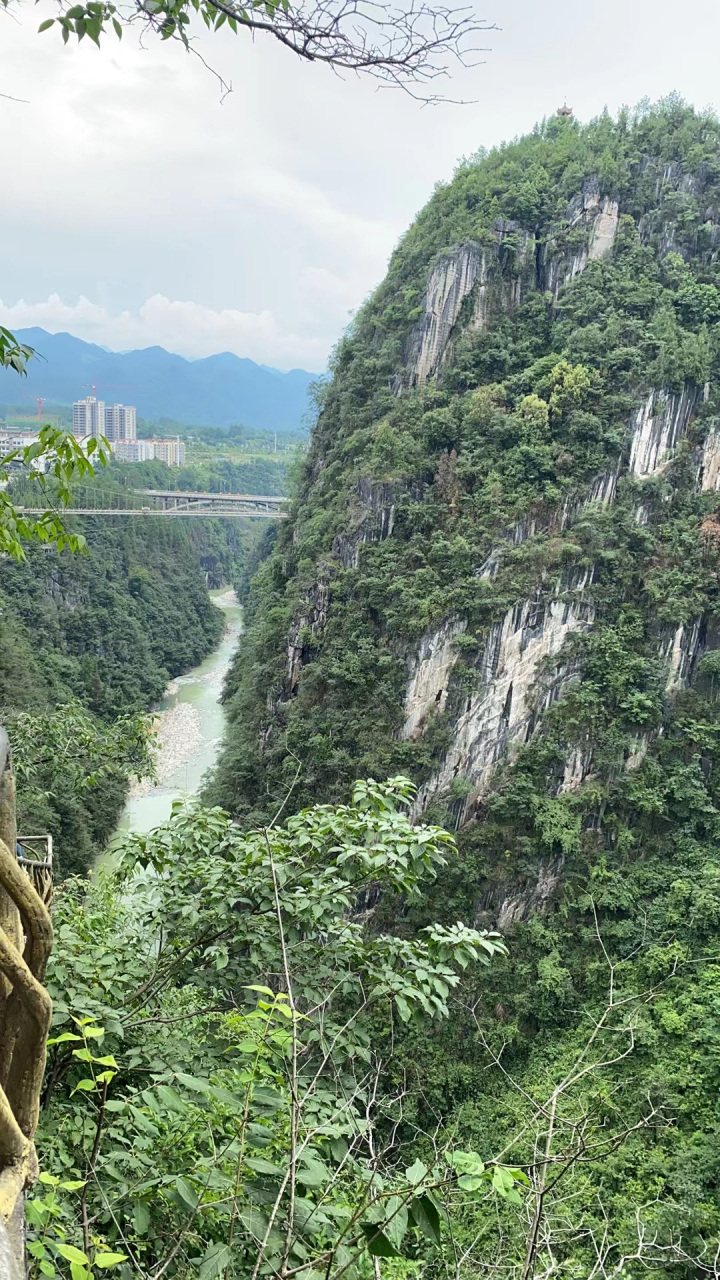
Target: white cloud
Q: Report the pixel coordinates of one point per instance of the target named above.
(186, 328)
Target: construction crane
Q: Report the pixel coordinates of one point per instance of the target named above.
(39, 400)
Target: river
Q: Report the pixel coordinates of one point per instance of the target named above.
(190, 723)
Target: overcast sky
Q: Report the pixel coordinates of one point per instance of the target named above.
(137, 208)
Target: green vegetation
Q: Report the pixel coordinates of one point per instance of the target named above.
(211, 474)
(206, 1123)
(88, 644)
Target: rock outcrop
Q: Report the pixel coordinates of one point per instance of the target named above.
(430, 672)
(680, 650)
(658, 426)
(496, 276)
(371, 519)
(305, 627)
(710, 473)
(502, 714)
(450, 283)
(588, 233)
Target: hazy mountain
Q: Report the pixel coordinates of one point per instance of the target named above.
(216, 391)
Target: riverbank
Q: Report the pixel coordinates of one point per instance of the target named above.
(189, 725)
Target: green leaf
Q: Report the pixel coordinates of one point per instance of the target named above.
(109, 1259)
(48, 1179)
(258, 1165)
(254, 1221)
(312, 1173)
(377, 1243)
(217, 1258)
(416, 1172)
(396, 1220)
(187, 1194)
(141, 1217)
(170, 1097)
(70, 1253)
(79, 1272)
(426, 1216)
(192, 1082)
(47, 1268)
(72, 1186)
(87, 1086)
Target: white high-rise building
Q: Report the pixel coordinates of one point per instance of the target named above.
(89, 417)
(120, 422)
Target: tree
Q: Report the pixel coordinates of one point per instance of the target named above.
(57, 454)
(217, 1088)
(409, 46)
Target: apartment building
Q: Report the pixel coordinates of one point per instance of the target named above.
(88, 417)
(170, 451)
(120, 422)
(12, 440)
(134, 450)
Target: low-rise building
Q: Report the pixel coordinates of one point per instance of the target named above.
(134, 450)
(170, 451)
(12, 440)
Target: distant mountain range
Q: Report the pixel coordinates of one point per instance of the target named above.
(216, 392)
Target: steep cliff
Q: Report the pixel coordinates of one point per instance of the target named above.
(501, 576)
(537, 363)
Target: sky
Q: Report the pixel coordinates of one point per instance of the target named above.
(140, 207)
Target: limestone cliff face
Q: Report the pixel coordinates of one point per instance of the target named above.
(500, 716)
(496, 276)
(505, 710)
(659, 424)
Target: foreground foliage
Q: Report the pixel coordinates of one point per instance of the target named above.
(222, 1013)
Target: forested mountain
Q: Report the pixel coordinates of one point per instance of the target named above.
(216, 391)
(500, 576)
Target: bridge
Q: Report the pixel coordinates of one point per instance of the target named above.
(174, 499)
(171, 503)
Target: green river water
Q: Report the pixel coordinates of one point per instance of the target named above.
(201, 688)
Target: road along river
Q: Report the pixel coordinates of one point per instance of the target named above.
(189, 724)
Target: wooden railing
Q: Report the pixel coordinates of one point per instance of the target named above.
(25, 1013)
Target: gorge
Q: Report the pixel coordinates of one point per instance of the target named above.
(427, 985)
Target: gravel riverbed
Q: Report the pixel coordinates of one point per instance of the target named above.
(179, 734)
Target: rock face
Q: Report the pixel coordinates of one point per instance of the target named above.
(311, 621)
(498, 275)
(681, 650)
(501, 715)
(593, 222)
(710, 475)
(450, 283)
(430, 672)
(372, 518)
(659, 424)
